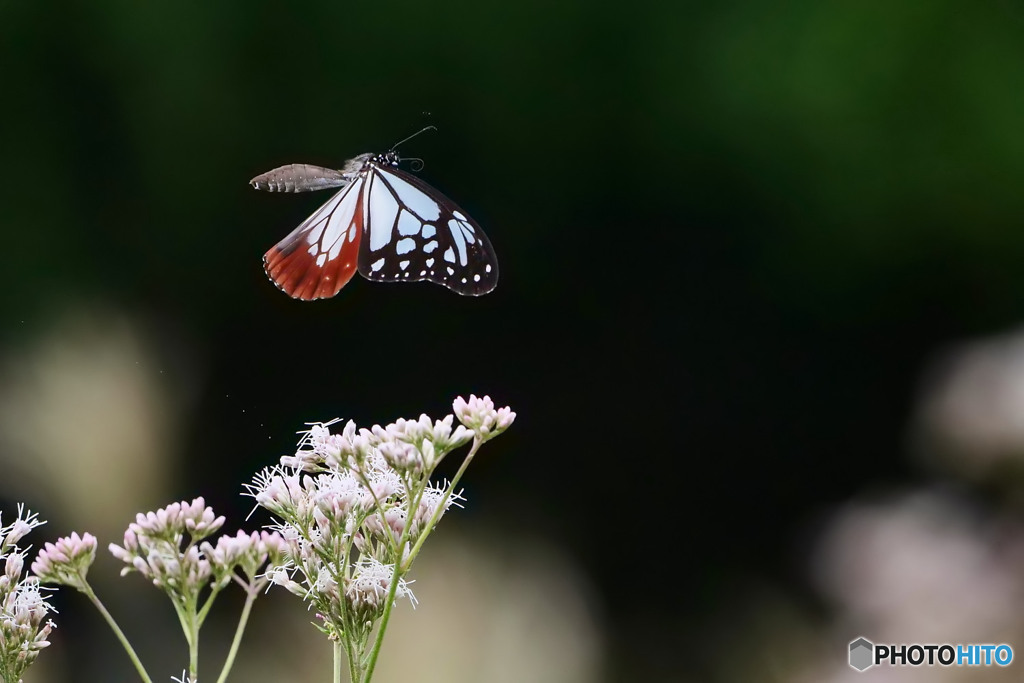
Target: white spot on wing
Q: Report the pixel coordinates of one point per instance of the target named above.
(320, 260)
(405, 245)
(335, 250)
(449, 255)
(458, 214)
(377, 265)
(451, 271)
(408, 224)
(403, 265)
(476, 278)
(314, 234)
(488, 268)
(430, 246)
(429, 231)
(421, 204)
(430, 263)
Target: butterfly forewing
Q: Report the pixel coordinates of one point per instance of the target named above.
(320, 256)
(413, 232)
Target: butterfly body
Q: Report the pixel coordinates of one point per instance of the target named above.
(384, 222)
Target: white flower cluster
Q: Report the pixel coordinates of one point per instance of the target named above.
(407, 445)
(333, 524)
(354, 507)
(167, 547)
(23, 607)
(67, 561)
(479, 415)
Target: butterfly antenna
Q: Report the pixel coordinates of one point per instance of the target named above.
(422, 130)
(415, 163)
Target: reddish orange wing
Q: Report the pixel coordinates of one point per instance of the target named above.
(320, 256)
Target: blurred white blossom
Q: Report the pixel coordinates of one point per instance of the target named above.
(971, 407)
(90, 412)
(921, 568)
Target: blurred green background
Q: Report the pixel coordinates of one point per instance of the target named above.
(733, 238)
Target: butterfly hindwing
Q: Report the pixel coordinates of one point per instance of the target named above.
(413, 232)
(320, 256)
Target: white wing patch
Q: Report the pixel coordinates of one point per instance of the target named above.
(314, 234)
(327, 227)
(419, 202)
(408, 224)
(465, 228)
(317, 220)
(382, 206)
(338, 225)
(459, 239)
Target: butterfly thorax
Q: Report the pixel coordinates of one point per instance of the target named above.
(357, 164)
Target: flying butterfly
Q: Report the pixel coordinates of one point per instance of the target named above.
(384, 222)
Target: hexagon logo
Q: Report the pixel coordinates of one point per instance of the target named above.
(862, 653)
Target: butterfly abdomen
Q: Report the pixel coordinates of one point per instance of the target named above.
(300, 178)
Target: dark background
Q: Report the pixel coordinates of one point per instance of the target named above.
(731, 237)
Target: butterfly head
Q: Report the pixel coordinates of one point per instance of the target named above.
(391, 157)
(388, 158)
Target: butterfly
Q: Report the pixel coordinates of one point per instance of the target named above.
(384, 222)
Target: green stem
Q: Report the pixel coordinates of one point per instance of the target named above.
(180, 611)
(250, 598)
(193, 645)
(402, 567)
(432, 522)
(371, 662)
(87, 589)
(351, 651)
(337, 661)
(214, 591)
